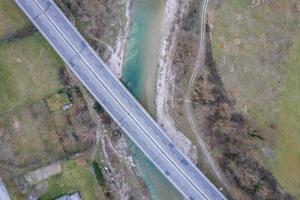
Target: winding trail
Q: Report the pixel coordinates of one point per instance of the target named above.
(187, 101)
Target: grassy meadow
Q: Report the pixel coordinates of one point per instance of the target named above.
(257, 48)
(28, 72)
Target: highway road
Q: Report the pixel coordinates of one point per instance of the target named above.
(117, 100)
(4, 195)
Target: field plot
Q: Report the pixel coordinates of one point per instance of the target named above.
(42, 116)
(27, 138)
(76, 176)
(34, 135)
(256, 47)
(11, 19)
(28, 72)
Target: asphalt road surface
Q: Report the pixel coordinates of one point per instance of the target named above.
(117, 101)
(4, 195)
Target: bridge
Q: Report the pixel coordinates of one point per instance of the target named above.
(125, 110)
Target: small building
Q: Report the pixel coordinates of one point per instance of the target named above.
(74, 196)
(4, 195)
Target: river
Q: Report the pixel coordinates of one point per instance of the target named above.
(140, 74)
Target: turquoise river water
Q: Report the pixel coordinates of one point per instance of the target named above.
(139, 74)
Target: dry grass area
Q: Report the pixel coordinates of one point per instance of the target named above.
(100, 21)
(57, 102)
(28, 139)
(256, 49)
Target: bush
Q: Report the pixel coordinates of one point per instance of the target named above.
(98, 173)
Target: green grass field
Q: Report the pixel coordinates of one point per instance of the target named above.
(11, 18)
(257, 52)
(28, 72)
(75, 177)
(287, 164)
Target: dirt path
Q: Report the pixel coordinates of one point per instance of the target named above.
(187, 101)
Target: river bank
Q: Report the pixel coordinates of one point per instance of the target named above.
(116, 59)
(174, 12)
